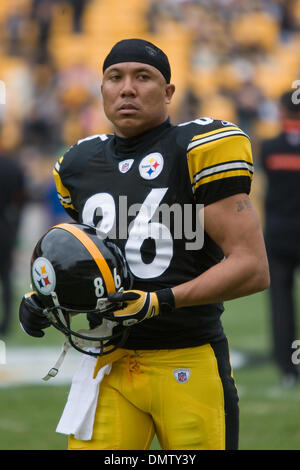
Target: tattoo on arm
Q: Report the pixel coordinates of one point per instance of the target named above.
(243, 204)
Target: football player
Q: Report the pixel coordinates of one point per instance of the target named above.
(173, 375)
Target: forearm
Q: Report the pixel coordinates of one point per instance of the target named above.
(234, 277)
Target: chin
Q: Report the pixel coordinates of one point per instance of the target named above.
(130, 128)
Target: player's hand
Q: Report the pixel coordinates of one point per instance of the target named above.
(139, 305)
(31, 316)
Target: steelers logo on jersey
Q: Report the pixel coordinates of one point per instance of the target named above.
(43, 276)
(151, 166)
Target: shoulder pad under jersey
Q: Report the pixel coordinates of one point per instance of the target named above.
(76, 156)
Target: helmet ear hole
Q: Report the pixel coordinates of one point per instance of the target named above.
(73, 271)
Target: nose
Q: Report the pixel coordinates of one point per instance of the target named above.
(128, 88)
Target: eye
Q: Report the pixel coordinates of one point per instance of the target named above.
(143, 76)
(115, 77)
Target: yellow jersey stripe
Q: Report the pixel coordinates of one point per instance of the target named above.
(62, 192)
(57, 165)
(233, 165)
(219, 152)
(94, 252)
(222, 175)
(215, 136)
(216, 131)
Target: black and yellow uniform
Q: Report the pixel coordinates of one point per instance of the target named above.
(104, 178)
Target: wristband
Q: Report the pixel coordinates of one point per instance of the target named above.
(166, 300)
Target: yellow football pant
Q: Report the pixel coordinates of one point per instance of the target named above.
(186, 397)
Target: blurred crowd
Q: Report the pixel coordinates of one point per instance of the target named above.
(239, 56)
(230, 59)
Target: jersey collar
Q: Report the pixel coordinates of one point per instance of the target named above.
(134, 145)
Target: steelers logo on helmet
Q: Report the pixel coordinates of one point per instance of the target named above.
(43, 275)
(73, 270)
(81, 267)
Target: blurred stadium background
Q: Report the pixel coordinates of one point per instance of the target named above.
(230, 59)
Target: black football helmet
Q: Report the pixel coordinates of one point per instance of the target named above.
(73, 269)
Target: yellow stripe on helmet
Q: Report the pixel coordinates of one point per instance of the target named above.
(94, 252)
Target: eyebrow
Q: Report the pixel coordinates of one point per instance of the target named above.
(140, 69)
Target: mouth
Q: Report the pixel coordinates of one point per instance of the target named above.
(128, 108)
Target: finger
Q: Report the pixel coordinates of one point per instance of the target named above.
(32, 307)
(37, 333)
(30, 332)
(41, 324)
(131, 295)
(123, 296)
(116, 297)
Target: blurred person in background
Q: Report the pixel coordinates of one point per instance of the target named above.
(281, 162)
(14, 27)
(42, 14)
(12, 199)
(78, 7)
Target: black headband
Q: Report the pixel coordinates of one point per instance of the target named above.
(139, 50)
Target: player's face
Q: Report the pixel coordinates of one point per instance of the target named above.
(135, 97)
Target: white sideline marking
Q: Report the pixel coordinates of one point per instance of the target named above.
(27, 365)
(238, 359)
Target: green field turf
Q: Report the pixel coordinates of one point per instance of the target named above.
(269, 415)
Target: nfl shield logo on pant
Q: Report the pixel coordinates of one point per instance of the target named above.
(182, 375)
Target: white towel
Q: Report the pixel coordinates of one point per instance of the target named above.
(79, 412)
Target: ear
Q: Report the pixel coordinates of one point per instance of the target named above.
(170, 90)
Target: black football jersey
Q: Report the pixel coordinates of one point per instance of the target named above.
(145, 193)
(280, 158)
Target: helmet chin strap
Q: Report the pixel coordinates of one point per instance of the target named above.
(54, 370)
(105, 329)
(56, 303)
(79, 343)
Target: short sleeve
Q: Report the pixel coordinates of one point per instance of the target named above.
(220, 164)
